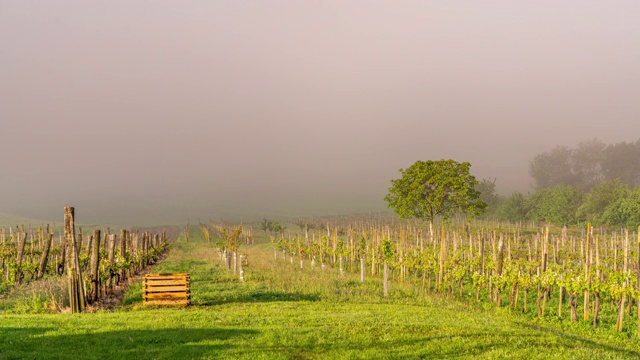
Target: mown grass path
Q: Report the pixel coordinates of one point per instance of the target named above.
(284, 312)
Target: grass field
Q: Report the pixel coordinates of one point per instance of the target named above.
(284, 312)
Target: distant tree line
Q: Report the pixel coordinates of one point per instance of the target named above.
(594, 182)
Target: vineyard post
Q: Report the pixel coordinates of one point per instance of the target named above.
(45, 256)
(76, 293)
(123, 252)
(443, 257)
(80, 238)
(499, 267)
(638, 277)
(586, 271)
(387, 255)
(89, 246)
(135, 247)
(95, 262)
(596, 292)
(22, 238)
(482, 253)
(560, 296)
(111, 247)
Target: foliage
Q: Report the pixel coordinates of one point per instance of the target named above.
(557, 205)
(599, 199)
(624, 211)
(488, 195)
(552, 168)
(271, 226)
(587, 165)
(514, 208)
(435, 188)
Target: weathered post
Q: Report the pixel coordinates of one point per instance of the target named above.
(95, 262)
(111, 247)
(76, 289)
(587, 264)
(123, 251)
(22, 238)
(638, 277)
(241, 268)
(45, 256)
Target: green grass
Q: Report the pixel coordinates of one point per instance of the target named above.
(284, 312)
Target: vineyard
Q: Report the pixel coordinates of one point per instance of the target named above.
(316, 288)
(98, 261)
(582, 274)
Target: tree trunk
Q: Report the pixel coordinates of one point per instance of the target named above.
(574, 307)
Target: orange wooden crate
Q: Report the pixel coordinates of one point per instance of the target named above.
(166, 289)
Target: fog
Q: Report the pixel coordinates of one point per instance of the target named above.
(163, 111)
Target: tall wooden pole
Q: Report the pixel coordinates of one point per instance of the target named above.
(638, 276)
(95, 262)
(76, 288)
(587, 263)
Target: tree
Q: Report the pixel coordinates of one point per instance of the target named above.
(514, 208)
(600, 198)
(586, 161)
(428, 189)
(487, 190)
(552, 168)
(622, 161)
(557, 205)
(625, 211)
(266, 225)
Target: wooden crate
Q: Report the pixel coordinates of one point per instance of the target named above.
(166, 289)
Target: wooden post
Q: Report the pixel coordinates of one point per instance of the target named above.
(76, 289)
(242, 268)
(638, 277)
(95, 262)
(586, 272)
(42, 268)
(443, 257)
(80, 239)
(385, 280)
(22, 238)
(111, 252)
(123, 251)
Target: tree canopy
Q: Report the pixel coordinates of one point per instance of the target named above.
(428, 189)
(587, 165)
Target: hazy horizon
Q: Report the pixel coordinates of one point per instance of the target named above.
(156, 112)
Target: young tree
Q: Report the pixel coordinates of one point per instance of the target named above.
(428, 189)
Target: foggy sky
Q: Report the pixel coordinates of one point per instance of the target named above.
(159, 111)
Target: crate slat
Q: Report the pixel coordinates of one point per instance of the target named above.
(167, 289)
